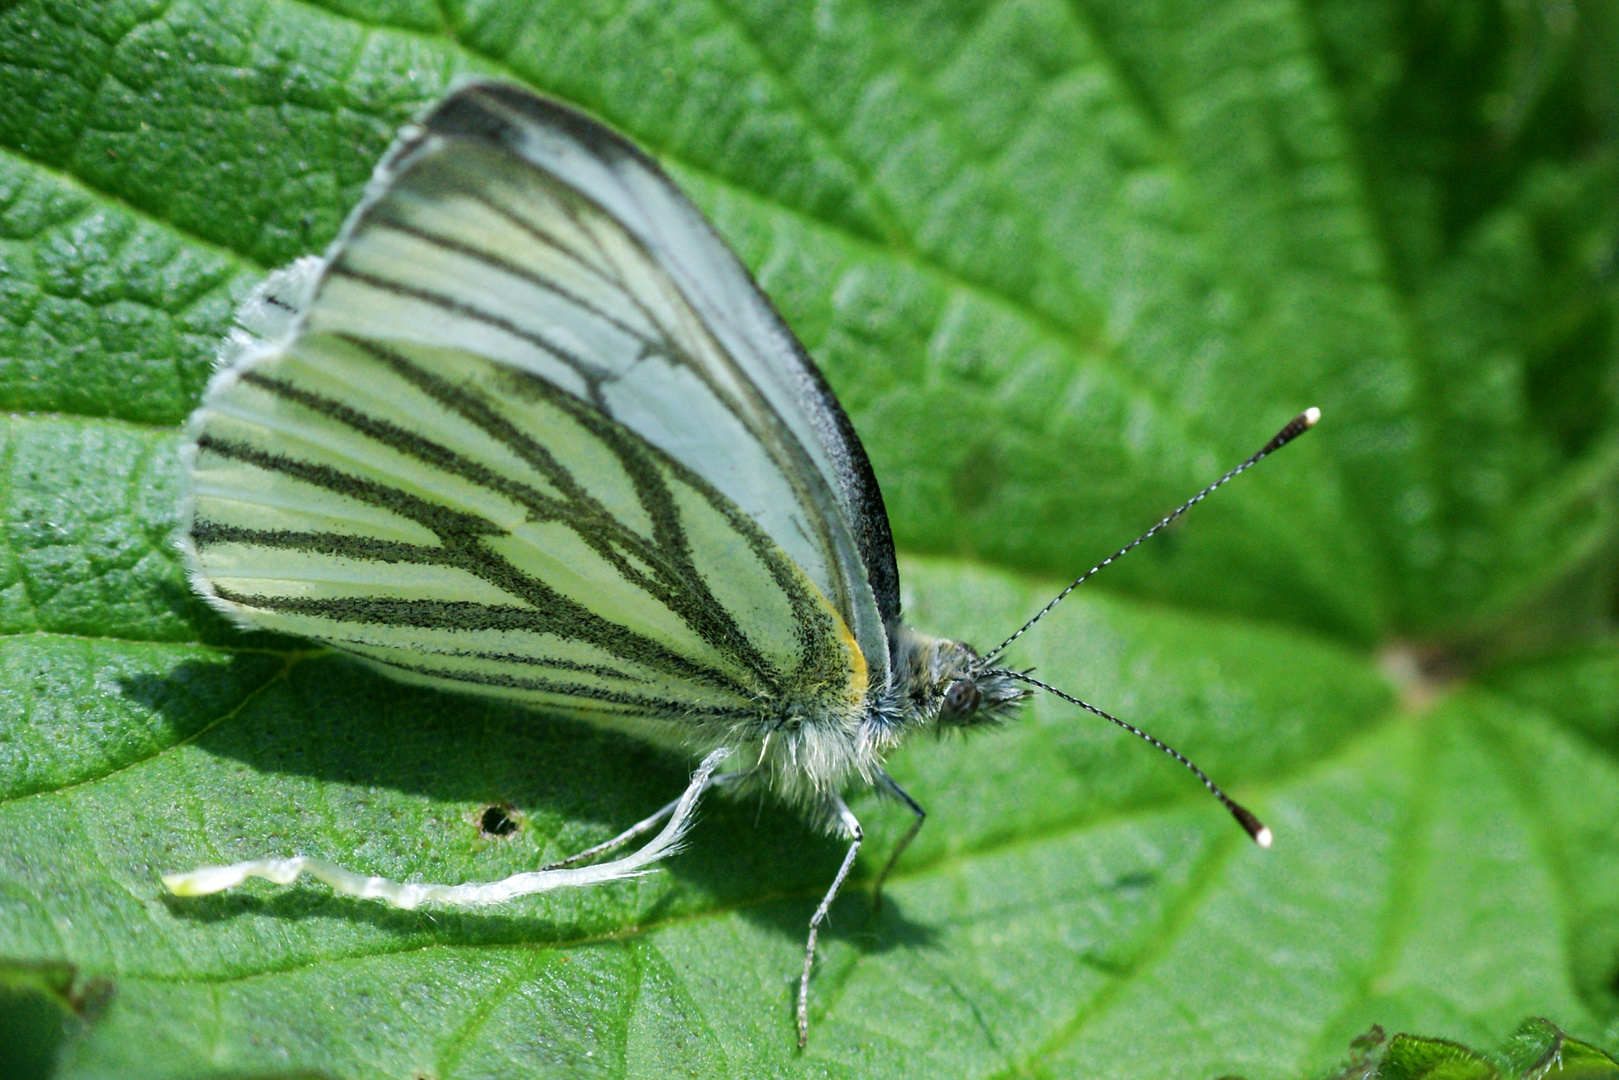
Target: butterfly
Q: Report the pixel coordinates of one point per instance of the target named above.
(530, 430)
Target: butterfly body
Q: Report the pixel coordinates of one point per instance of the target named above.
(511, 436)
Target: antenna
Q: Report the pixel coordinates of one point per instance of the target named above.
(1259, 831)
(1297, 426)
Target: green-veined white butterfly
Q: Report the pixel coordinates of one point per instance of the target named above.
(529, 429)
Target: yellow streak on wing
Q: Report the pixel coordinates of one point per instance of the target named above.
(859, 675)
(857, 662)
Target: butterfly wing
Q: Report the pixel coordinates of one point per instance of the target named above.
(534, 431)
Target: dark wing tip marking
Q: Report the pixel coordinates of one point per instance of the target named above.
(468, 113)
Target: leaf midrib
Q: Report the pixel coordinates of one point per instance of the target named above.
(118, 202)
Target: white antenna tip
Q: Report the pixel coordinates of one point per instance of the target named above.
(1263, 837)
(1311, 415)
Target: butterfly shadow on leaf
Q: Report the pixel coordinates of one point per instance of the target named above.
(408, 772)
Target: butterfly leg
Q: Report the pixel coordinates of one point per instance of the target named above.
(212, 879)
(850, 827)
(904, 841)
(642, 827)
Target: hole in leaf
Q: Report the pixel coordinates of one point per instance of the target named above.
(498, 819)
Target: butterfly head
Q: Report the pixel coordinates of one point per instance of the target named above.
(979, 697)
(948, 685)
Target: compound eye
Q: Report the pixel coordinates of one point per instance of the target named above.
(962, 697)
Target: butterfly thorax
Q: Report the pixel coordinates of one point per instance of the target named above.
(817, 748)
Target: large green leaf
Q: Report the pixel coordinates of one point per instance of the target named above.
(1063, 263)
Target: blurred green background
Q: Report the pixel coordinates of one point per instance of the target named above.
(1064, 262)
